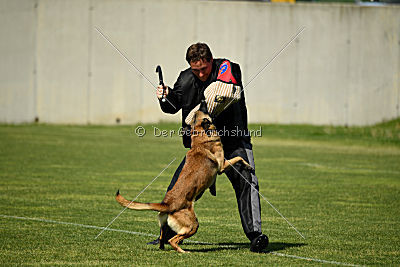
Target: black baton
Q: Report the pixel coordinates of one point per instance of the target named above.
(160, 78)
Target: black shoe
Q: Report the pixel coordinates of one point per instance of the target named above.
(154, 242)
(259, 243)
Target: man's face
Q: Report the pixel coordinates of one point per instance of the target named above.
(201, 69)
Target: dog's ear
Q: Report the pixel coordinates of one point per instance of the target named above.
(203, 107)
(206, 123)
(193, 121)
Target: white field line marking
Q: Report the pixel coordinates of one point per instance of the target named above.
(75, 224)
(151, 235)
(134, 199)
(91, 227)
(316, 165)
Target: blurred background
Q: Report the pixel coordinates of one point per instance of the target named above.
(55, 67)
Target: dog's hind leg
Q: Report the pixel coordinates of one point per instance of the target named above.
(185, 223)
(180, 237)
(175, 241)
(162, 217)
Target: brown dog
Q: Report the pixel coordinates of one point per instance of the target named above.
(204, 161)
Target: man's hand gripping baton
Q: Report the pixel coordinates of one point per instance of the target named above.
(161, 80)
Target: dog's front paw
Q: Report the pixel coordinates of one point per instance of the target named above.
(248, 167)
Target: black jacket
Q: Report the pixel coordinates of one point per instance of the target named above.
(189, 90)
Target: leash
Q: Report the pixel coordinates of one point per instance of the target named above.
(131, 63)
(105, 228)
(266, 200)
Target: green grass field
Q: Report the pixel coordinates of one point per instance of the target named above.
(339, 186)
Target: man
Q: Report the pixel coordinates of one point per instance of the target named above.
(187, 93)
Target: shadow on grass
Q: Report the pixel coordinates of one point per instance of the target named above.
(273, 246)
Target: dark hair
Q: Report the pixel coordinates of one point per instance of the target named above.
(198, 51)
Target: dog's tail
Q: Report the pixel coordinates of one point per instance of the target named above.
(160, 207)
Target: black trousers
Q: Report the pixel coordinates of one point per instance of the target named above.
(247, 197)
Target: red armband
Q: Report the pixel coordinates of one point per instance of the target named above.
(225, 73)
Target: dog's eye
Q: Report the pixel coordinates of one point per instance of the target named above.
(205, 123)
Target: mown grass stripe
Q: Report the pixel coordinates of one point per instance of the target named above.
(152, 235)
(313, 259)
(75, 224)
